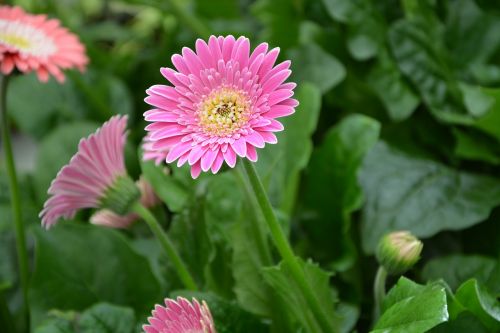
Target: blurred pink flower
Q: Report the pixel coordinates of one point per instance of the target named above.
(149, 153)
(35, 43)
(108, 218)
(181, 316)
(223, 103)
(90, 173)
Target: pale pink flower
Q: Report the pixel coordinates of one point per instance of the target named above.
(35, 43)
(181, 316)
(83, 182)
(223, 103)
(110, 219)
(149, 153)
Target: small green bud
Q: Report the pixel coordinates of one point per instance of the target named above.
(398, 251)
(121, 195)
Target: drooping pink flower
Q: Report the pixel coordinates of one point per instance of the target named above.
(223, 103)
(110, 219)
(149, 153)
(83, 183)
(181, 316)
(35, 43)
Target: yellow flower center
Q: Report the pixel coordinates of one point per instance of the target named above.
(15, 41)
(224, 111)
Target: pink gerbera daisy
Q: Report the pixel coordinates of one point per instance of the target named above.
(108, 218)
(35, 43)
(223, 103)
(94, 177)
(181, 316)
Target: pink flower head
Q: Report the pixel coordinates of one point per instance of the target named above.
(149, 153)
(108, 218)
(35, 43)
(181, 316)
(90, 173)
(223, 103)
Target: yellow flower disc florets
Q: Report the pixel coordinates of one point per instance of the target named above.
(224, 111)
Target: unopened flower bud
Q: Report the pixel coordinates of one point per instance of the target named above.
(398, 251)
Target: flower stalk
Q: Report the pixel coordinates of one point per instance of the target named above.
(15, 200)
(166, 244)
(379, 291)
(284, 248)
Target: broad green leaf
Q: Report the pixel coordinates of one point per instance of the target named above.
(56, 325)
(422, 59)
(212, 9)
(280, 164)
(477, 300)
(407, 193)
(415, 309)
(456, 269)
(35, 106)
(172, 192)
(470, 34)
(477, 147)
(228, 316)
(390, 86)
(107, 318)
(366, 28)
(332, 191)
(489, 122)
(466, 322)
(312, 64)
(56, 150)
(297, 308)
(79, 265)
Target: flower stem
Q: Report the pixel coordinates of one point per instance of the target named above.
(167, 245)
(379, 291)
(284, 248)
(22, 255)
(197, 26)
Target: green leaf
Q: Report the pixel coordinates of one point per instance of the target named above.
(456, 269)
(279, 165)
(477, 300)
(288, 291)
(413, 308)
(422, 196)
(466, 322)
(79, 265)
(473, 146)
(422, 59)
(312, 64)
(56, 150)
(107, 318)
(332, 191)
(171, 191)
(389, 85)
(366, 33)
(30, 114)
(489, 121)
(56, 325)
(228, 316)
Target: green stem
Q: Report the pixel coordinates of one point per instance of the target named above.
(284, 248)
(22, 255)
(197, 26)
(379, 291)
(258, 231)
(167, 245)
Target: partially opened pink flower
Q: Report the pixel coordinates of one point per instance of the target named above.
(223, 103)
(108, 218)
(94, 177)
(35, 43)
(181, 316)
